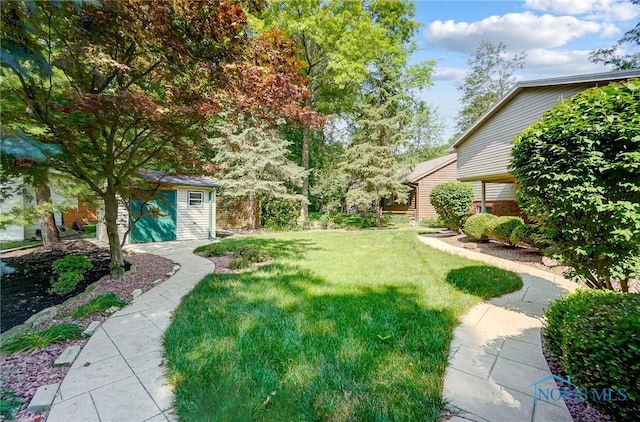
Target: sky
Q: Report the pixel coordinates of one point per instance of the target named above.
(556, 35)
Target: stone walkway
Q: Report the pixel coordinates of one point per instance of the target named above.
(496, 354)
(119, 375)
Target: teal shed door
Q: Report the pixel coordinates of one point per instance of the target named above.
(158, 222)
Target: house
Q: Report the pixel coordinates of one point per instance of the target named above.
(422, 180)
(177, 208)
(484, 150)
(75, 211)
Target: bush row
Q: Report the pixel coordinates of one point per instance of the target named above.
(596, 335)
(510, 230)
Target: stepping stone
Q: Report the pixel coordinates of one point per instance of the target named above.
(43, 398)
(88, 332)
(112, 309)
(68, 356)
(156, 282)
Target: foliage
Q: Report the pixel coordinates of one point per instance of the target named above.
(501, 228)
(490, 77)
(612, 56)
(595, 335)
(120, 86)
(476, 226)
(433, 222)
(43, 338)
(578, 171)
(280, 213)
(98, 304)
(356, 310)
(452, 200)
(395, 220)
(526, 234)
(9, 403)
(70, 271)
(213, 249)
(243, 253)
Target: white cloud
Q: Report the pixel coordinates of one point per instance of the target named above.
(560, 62)
(606, 10)
(523, 31)
(449, 74)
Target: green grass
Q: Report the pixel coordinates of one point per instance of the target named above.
(11, 245)
(343, 326)
(39, 339)
(98, 304)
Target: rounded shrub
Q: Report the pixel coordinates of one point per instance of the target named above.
(475, 226)
(526, 234)
(70, 271)
(452, 201)
(596, 335)
(501, 228)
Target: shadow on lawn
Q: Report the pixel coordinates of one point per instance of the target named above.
(327, 352)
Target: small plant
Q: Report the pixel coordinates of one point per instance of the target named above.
(501, 228)
(70, 271)
(239, 262)
(9, 402)
(39, 339)
(595, 335)
(99, 304)
(476, 226)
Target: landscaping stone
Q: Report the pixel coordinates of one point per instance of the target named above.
(136, 293)
(550, 262)
(112, 309)
(43, 398)
(471, 245)
(68, 356)
(158, 281)
(43, 315)
(88, 332)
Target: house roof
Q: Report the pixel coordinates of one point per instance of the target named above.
(536, 83)
(427, 167)
(178, 180)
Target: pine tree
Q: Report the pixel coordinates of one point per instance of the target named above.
(253, 160)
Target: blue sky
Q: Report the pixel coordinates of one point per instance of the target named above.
(556, 35)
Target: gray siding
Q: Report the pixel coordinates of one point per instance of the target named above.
(487, 151)
(424, 209)
(495, 191)
(193, 223)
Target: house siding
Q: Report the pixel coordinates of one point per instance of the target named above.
(495, 191)
(193, 223)
(487, 152)
(424, 208)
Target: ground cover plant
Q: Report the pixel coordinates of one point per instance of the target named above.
(42, 338)
(69, 271)
(341, 326)
(98, 304)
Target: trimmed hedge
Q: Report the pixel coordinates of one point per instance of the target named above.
(475, 226)
(452, 201)
(527, 234)
(596, 335)
(501, 228)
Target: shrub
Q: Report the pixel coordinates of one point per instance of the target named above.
(577, 171)
(280, 214)
(214, 249)
(452, 200)
(501, 228)
(475, 226)
(595, 335)
(98, 304)
(238, 262)
(526, 234)
(433, 222)
(9, 403)
(70, 271)
(39, 339)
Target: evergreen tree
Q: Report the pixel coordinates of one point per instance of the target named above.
(253, 163)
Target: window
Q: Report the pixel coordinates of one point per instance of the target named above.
(195, 199)
(479, 209)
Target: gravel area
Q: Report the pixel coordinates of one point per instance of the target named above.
(23, 373)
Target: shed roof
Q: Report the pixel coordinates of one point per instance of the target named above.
(178, 180)
(428, 167)
(535, 83)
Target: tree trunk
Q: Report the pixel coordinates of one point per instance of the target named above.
(304, 205)
(251, 224)
(48, 227)
(111, 222)
(379, 215)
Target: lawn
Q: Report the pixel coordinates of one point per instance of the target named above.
(342, 326)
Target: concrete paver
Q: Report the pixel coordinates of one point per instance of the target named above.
(119, 374)
(497, 352)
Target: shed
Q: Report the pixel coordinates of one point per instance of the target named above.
(484, 150)
(180, 208)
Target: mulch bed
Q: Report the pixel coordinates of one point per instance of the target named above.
(23, 373)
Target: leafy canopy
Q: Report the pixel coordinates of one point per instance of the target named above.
(578, 169)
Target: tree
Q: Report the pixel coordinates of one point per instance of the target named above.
(139, 82)
(338, 41)
(452, 201)
(612, 57)
(578, 171)
(490, 77)
(253, 162)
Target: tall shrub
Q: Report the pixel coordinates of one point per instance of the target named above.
(578, 170)
(452, 201)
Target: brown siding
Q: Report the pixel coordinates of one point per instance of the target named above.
(425, 186)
